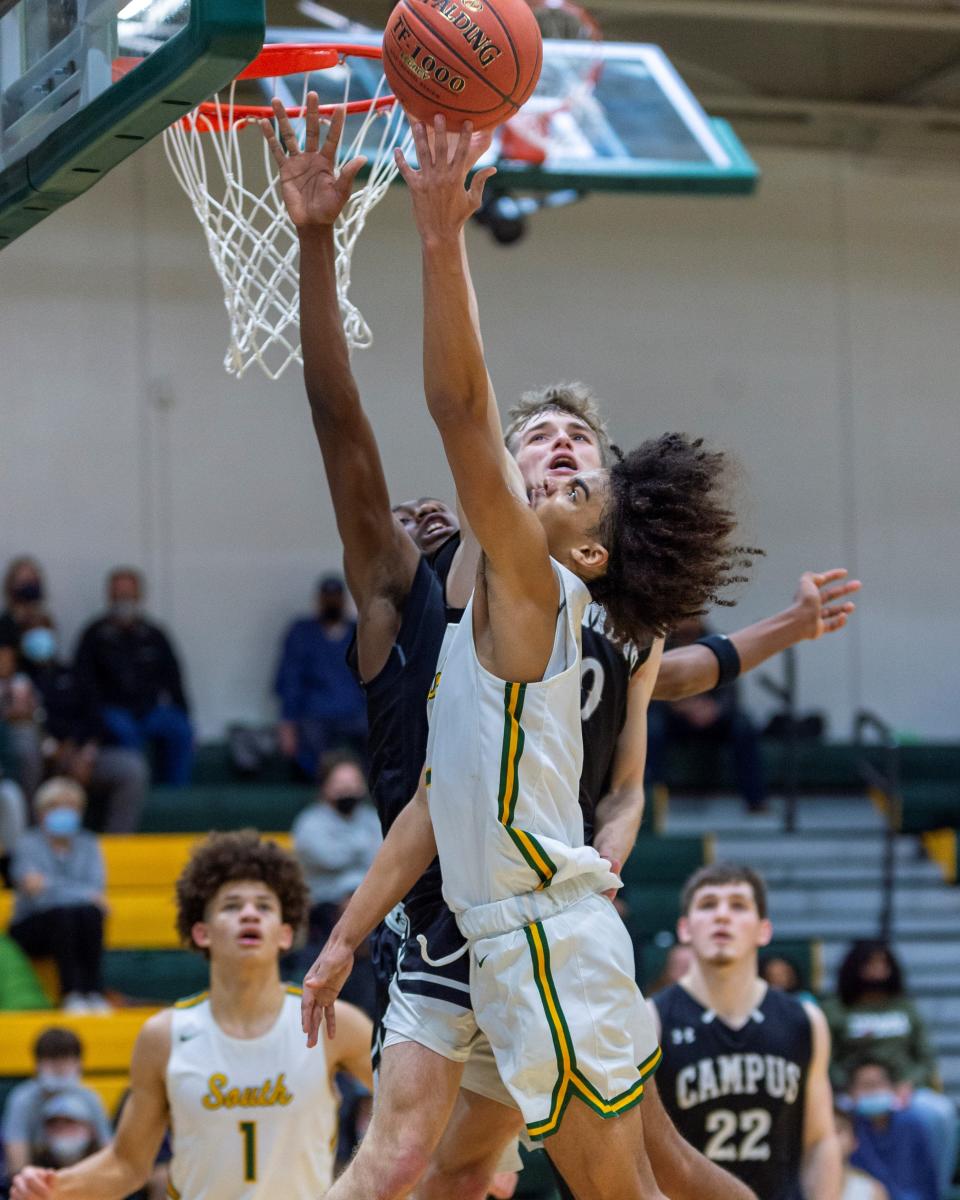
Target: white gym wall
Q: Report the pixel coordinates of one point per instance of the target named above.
(814, 329)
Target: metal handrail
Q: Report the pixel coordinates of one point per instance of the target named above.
(886, 779)
(786, 693)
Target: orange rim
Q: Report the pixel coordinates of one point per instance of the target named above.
(272, 62)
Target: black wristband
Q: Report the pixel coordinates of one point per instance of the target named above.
(727, 657)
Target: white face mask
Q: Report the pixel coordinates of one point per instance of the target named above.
(68, 1148)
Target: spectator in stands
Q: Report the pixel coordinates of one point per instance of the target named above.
(677, 963)
(321, 704)
(69, 735)
(714, 719)
(872, 1013)
(782, 972)
(58, 874)
(857, 1184)
(128, 664)
(892, 1143)
(336, 839)
(67, 1131)
(23, 595)
(58, 1057)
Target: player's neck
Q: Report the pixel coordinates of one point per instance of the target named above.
(733, 990)
(245, 1004)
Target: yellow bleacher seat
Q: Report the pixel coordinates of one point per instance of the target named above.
(153, 859)
(107, 1040)
(141, 871)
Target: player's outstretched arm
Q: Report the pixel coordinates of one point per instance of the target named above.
(619, 813)
(379, 558)
(819, 606)
(125, 1165)
(407, 850)
(455, 375)
(821, 1172)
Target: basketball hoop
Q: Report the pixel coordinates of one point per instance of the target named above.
(250, 238)
(537, 131)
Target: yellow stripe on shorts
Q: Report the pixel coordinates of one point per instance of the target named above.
(570, 1080)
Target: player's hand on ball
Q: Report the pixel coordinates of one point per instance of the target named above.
(34, 1183)
(821, 601)
(442, 204)
(313, 190)
(322, 984)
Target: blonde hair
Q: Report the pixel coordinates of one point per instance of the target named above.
(576, 399)
(57, 789)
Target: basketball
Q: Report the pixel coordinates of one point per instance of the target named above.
(472, 60)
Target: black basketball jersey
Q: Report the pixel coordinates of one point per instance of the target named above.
(606, 671)
(737, 1095)
(397, 716)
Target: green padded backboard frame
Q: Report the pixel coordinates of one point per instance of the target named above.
(220, 39)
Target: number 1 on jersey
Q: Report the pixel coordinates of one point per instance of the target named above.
(249, 1131)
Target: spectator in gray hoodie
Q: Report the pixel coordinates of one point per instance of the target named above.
(58, 873)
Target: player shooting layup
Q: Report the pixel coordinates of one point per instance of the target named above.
(253, 1112)
(551, 964)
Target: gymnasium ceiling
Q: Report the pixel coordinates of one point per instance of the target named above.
(875, 75)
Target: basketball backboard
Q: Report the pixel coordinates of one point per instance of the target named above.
(608, 116)
(83, 83)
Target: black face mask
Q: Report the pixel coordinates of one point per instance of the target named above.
(331, 610)
(27, 593)
(346, 804)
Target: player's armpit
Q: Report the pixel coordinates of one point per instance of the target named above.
(349, 1049)
(125, 1165)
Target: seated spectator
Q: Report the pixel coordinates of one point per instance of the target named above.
(58, 1057)
(321, 704)
(70, 735)
(892, 1143)
(678, 962)
(129, 667)
(23, 595)
(783, 973)
(336, 839)
(18, 708)
(13, 816)
(857, 1184)
(67, 1131)
(872, 1014)
(58, 874)
(712, 720)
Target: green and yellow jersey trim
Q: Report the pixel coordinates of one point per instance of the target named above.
(570, 1080)
(192, 1001)
(530, 849)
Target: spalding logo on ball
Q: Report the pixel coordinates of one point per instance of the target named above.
(473, 60)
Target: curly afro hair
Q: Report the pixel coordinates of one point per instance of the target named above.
(667, 528)
(227, 857)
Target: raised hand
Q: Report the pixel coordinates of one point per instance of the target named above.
(442, 204)
(321, 986)
(312, 188)
(820, 600)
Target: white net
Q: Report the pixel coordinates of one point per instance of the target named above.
(252, 241)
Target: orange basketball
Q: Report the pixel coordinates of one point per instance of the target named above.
(473, 60)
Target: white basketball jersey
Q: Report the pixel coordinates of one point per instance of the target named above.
(503, 767)
(251, 1118)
